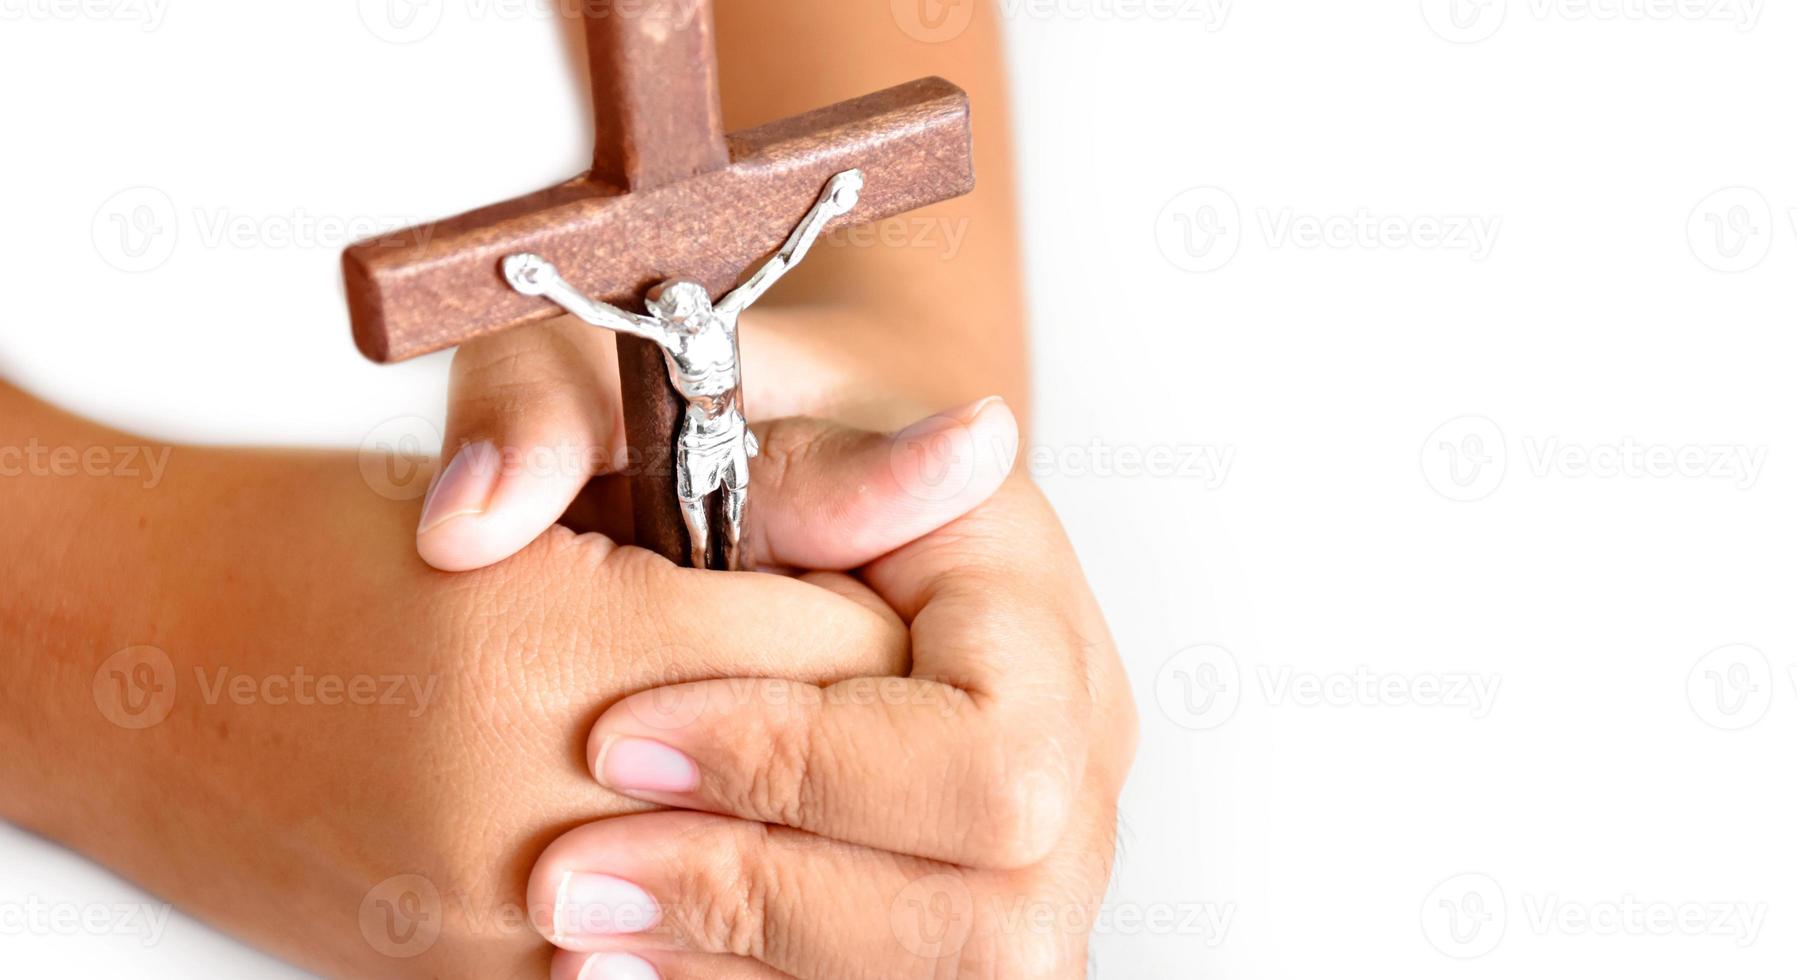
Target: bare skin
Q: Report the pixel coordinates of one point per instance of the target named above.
(277, 813)
(881, 825)
(872, 827)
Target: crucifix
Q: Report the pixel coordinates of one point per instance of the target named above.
(671, 202)
(698, 340)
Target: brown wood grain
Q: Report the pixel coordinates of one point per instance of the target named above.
(421, 290)
(659, 121)
(655, 89)
(669, 196)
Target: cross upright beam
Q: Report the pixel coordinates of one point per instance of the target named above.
(669, 196)
(659, 120)
(655, 98)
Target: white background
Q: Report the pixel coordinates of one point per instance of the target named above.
(1593, 374)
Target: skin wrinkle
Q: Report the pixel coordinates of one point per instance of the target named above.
(540, 374)
(750, 926)
(796, 746)
(712, 890)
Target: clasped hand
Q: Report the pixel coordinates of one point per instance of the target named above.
(955, 818)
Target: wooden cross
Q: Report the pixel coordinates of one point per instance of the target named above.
(669, 195)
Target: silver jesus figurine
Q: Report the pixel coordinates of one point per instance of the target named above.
(698, 340)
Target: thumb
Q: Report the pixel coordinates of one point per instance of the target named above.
(829, 498)
(534, 413)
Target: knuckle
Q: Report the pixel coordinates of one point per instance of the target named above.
(781, 779)
(1032, 957)
(981, 925)
(634, 586)
(786, 446)
(794, 451)
(503, 384)
(1023, 803)
(1044, 930)
(729, 893)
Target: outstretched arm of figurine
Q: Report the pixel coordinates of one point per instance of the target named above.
(838, 198)
(534, 275)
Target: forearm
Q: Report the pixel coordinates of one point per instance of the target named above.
(79, 503)
(117, 543)
(930, 305)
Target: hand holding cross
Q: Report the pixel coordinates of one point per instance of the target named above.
(669, 196)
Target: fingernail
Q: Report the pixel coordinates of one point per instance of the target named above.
(645, 765)
(1000, 435)
(464, 488)
(968, 417)
(971, 412)
(963, 416)
(618, 966)
(600, 905)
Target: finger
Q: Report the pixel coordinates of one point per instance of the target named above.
(897, 764)
(718, 622)
(856, 591)
(974, 760)
(534, 413)
(683, 883)
(658, 965)
(829, 497)
(675, 884)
